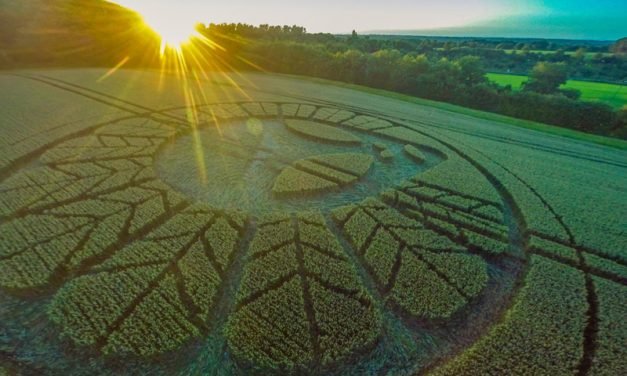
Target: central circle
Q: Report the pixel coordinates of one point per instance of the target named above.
(261, 166)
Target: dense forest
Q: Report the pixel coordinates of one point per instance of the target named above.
(451, 70)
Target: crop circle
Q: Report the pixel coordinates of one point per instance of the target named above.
(297, 235)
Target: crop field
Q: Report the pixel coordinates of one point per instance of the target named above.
(279, 226)
(612, 94)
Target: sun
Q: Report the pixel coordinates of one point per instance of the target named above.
(174, 33)
(174, 27)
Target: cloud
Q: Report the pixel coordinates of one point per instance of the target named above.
(534, 26)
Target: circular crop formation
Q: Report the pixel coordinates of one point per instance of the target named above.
(302, 237)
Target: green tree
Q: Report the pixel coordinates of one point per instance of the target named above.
(580, 54)
(409, 68)
(471, 70)
(354, 38)
(351, 65)
(380, 66)
(546, 78)
(441, 82)
(620, 47)
(620, 128)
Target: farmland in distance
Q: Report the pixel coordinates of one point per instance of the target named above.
(612, 94)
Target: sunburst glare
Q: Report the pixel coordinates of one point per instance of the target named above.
(173, 34)
(186, 52)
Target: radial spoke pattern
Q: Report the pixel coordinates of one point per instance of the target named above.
(134, 267)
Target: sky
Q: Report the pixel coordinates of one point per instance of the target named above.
(576, 19)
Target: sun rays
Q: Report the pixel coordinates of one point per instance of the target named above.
(188, 54)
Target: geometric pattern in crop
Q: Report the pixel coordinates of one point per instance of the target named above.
(263, 165)
(321, 132)
(407, 231)
(155, 293)
(90, 194)
(423, 271)
(321, 173)
(300, 300)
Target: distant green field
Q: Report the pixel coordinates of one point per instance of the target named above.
(614, 95)
(588, 55)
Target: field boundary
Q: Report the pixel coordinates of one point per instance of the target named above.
(506, 120)
(510, 121)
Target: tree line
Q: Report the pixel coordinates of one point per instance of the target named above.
(586, 60)
(458, 80)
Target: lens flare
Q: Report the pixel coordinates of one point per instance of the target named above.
(189, 54)
(174, 35)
